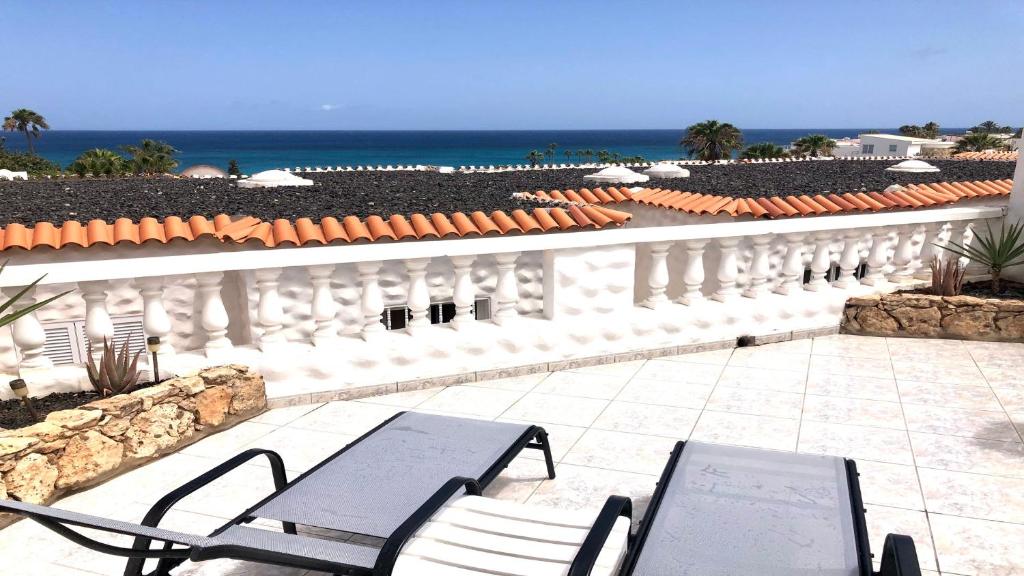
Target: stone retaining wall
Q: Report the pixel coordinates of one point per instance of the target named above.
(923, 315)
(76, 448)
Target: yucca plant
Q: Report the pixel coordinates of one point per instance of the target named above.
(947, 276)
(9, 318)
(115, 374)
(994, 252)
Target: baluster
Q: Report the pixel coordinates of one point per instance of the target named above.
(903, 258)
(155, 320)
(957, 232)
(821, 261)
(419, 294)
(658, 278)
(323, 308)
(464, 292)
(693, 277)
(372, 300)
(98, 325)
(27, 332)
(932, 232)
(877, 258)
(975, 268)
(792, 273)
(214, 316)
(849, 260)
(760, 266)
(270, 313)
(727, 270)
(507, 290)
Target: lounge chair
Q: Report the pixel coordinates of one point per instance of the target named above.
(729, 511)
(386, 484)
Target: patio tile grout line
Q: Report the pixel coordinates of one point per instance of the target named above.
(803, 399)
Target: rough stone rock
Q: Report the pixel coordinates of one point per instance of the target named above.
(1012, 326)
(959, 301)
(248, 394)
(115, 427)
(74, 419)
(155, 394)
(875, 321)
(1012, 305)
(212, 405)
(153, 431)
(190, 385)
(871, 300)
(221, 375)
(894, 301)
(87, 456)
(16, 444)
(44, 431)
(919, 321)
(3, 488)
(122, 406)
(969, 324)
(32, 480)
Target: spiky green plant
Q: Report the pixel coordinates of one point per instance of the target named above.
(994, 252)
(115, 374)
(947, 276)
(9, 318)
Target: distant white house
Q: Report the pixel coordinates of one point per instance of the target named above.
(893, 145)
(1017, 141)
(846, 147)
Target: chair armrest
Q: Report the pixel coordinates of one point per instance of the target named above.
(899, 557)
(585, 559)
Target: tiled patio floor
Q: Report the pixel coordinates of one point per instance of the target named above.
(930, 424)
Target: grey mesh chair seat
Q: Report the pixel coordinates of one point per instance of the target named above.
(385, 484)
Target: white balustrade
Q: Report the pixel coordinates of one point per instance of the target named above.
(155, 320)
(849, 260)
(760, 266)
(98, 325)
(323, 308)
(821, 262)
(214, 318)
(28, 334)
(419, 293)
(658, 277)
(507, 289)
(903, 258)
(957, 239)
(270, 313)
(728, 269)
(372, 299)
(930, 247)
(792, 272)
(693, 277)
(878, 257)
(464, 292)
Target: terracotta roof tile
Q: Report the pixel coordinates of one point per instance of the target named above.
(1011, 156)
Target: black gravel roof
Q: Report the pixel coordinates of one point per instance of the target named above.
(403, 192)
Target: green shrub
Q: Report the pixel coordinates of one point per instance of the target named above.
(99, 162)
(25, 162)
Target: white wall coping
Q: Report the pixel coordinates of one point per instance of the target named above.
(74, 264)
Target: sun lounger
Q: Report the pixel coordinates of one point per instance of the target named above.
(387, 484)
(729, 511)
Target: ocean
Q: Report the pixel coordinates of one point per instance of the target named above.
(262, 150)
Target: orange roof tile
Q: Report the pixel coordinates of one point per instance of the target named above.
(1011, 156)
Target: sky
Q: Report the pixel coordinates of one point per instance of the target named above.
(463, 65)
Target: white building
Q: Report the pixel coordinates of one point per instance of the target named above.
(893, 145)
(846, 147)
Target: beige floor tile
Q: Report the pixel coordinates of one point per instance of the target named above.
(226, 567)
(300, 449)
(681, 372)
(561, 438)
(883, 520)
(621, 451)
(408, 400)
(853, 386)
(857, 442)
(958, 422)
(798, 346)
(853, 347)
(872, 367)
(282, 416)
(746, 430)
(517, 482)
(853, 411)
(982, 547)
(353, 418)
(716, 357)
(669, 421)
(764, 379)
(939, 370)
(583, 488)
(554, 409)
(666, 393)
(583, 384)
(472, 401)
(1008, 377)
(948, 395)
(973, 495)
(229, 441)
(626, 369)
(1012, 400)
(523, 383)
(759, 357)
(893, 485)
(968, 454)
(759, 402)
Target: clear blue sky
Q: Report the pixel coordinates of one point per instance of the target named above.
(437, 64)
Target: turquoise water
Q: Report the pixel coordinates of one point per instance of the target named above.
(261, 150)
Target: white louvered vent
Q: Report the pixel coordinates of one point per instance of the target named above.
(66, 342)
(125, 328)
(61, 345)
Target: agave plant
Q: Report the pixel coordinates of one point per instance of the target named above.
(947, 276)
(994, 252)
(6, 319)
(115, 374)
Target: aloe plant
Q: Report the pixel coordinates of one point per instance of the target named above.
(115, 374)
(994, 252)
(9, 318)
(947, 276)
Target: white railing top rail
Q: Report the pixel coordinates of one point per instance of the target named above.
(73, 264)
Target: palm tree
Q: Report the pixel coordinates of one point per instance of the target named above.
(99, 162)
(152, 157)
(579, 155)
(990, 127)
(712, 140)
(535, 157)
(931, 130)
(603, 156)
(568, 156)
(815, 145)
(589, 154)
(27, 121)
(978, 142)
(764, 150)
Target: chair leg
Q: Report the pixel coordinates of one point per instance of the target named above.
(542, 438)
(899, 557)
